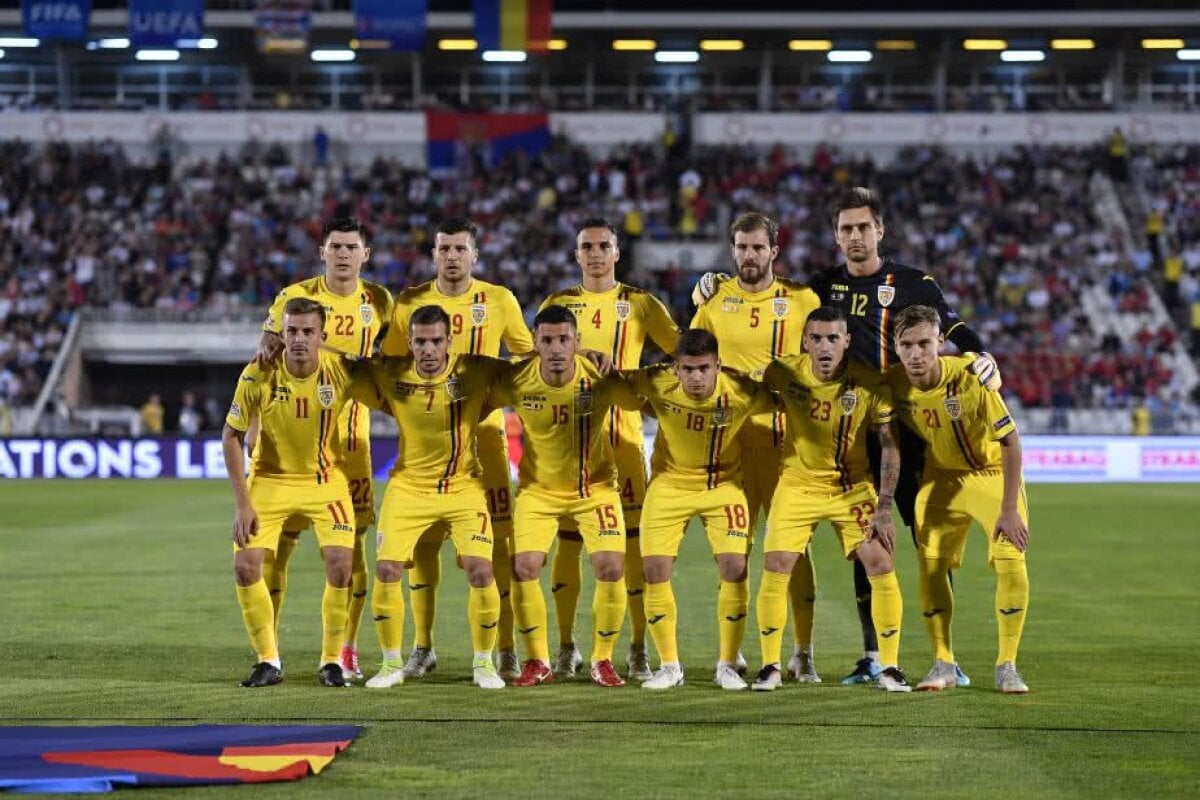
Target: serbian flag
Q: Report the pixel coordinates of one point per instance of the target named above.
(450, 134)
(72, 759)
(513, 24)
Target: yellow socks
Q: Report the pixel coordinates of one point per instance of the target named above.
(423, 580)
(803, 591)
(937, 605)
(529, 607)
(662, 617)
(276, 576)
(502, 569)
(483, 615)
(771, 612)
(608, 613)
(1012, 601)
(259, 616)
(566, 582)
(733, 606)
(358, 589)
(387, 604)
(635, 589)
(887, 610)
(334, 603)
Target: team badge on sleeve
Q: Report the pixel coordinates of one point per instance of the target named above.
(885, 295)
(953, 407)
(366, 313)
(235, 411)
(478, 313)
(848, 401)
(780, 306)
(325, 395)
(622, 308)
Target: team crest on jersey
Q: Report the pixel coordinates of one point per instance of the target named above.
(366, 313)
(885, 295)
(584, 402)
(780, 306)
(848, 401)
(622, 308)
(478, 313)
(721, 417)
(325, 395)
(953, 407)
(454, 390)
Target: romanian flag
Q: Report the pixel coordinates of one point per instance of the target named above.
(72, 759)
(513, 24)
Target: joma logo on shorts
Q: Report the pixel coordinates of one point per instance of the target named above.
(479, 537)
(737, 534)
(339, 528)
(609, 533)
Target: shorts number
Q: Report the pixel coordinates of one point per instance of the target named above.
(627, 491)
(483, 523)
(343, 325)
(735, 515)
(819, 410)
(456, 325)
(360, 491)
(559, 415)
(695, 422)
(301, 408)
(858, 305)
(498, 500)
(863, 513)
(932, 419)
(607, 517)
(754, 318)
(596, 319)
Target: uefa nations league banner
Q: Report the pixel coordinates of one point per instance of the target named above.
(1048, 459)
(162, 23)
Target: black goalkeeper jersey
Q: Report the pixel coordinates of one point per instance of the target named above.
(872, 302)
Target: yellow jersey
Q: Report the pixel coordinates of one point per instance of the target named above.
(353, 322)
(617, 322)
(480, 319)
(298, 436)
(566, 447)
(437, 417)
(697, 445)
(827, 421)
(754, 327)
(961, 421)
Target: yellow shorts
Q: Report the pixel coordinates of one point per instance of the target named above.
(492, 451)
(946, 504)
(355, 425)
(294, 506)
(797, 510)
(669, 510)
(598, 519)
(409, 512)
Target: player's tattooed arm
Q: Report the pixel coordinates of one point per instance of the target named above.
(882, 527)
(245, 520)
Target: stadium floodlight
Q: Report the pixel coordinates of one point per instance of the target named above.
(849, 56)
(1, 54)
(634, 44)
(115, 43)
(810, 45)
(332, 55)
(1022, 56)
(457, 44)
(556, 44)
(157, 55)
(1073, 44)
(207, 43)
(504, 56)
(1188, 55)
(677, 56)
(1147, 44)
(722, 45)
(985, 44)
(895, 44)
(27, 41)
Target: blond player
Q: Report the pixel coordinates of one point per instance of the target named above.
(758, 317)
(567, 475)
(972, 472)
(831, 404)
(482, 316)
(295, 479)
(356, 312)
(696, 471)
(617, 319)
(438, 400)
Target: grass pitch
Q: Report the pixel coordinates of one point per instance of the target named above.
(119, 608)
